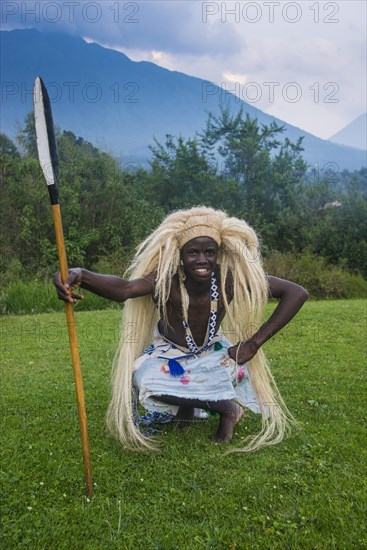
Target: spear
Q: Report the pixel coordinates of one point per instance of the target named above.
(48, 158)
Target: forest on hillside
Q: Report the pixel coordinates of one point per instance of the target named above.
(233, 164)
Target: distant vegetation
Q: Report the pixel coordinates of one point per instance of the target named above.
(107, 210)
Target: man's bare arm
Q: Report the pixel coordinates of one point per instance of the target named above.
(292, 297)
(108, 286)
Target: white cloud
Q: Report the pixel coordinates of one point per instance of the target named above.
(235, 77)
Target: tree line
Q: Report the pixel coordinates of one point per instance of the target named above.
(232, 164)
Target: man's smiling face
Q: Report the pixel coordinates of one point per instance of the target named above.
(199, 258)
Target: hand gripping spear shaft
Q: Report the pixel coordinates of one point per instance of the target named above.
(47, 153)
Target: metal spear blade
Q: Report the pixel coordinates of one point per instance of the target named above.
(46, 141)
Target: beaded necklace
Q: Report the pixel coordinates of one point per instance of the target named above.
(212, 321)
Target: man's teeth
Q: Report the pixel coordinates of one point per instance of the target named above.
(202, 270)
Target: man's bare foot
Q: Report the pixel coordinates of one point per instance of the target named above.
(185, 416)
(228, 420)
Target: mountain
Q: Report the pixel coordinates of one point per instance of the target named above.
(354, 134)
(121, 105)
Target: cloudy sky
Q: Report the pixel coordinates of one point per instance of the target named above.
(303, 61)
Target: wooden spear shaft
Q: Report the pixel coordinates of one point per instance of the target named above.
(56, 214)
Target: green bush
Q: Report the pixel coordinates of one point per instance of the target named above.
(321, 280)
(36, 297)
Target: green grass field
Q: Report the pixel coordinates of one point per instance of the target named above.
(308, 492)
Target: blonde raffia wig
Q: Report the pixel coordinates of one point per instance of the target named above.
(160, 253)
